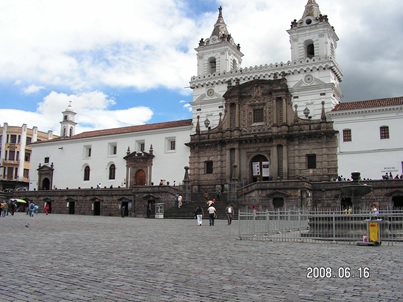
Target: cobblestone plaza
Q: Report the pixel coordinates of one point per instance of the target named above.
(95, 258)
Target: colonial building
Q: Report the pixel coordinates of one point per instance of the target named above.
(121, 157)
(370, 139)
(15, 150)
(274, 135)
(312, 73)
(262, 138)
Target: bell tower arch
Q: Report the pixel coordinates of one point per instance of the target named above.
(68, 125)
(217, 56)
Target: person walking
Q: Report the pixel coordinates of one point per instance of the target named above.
(122, 211)
(31, 209)
(47, 209)
(179, 201)
(229, 210)
(212, 213)
(199, 215)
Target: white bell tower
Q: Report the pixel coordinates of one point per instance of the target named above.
(67, 125)
(317, 75)
(217, 57)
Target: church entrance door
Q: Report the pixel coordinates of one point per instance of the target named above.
(260, 168)
(140, 178)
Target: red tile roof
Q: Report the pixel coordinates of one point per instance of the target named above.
(130, 129)
(369, 104)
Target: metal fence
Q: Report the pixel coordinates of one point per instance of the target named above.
(320, 226)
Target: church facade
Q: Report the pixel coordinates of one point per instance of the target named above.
(277, 132)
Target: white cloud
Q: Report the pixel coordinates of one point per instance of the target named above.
(83, 47)
(33, 89)
(94, 113)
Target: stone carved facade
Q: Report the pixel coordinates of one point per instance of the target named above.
(260, 138)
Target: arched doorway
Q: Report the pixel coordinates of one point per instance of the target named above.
(97, 208)
(260, 168)
(46, 184)
(397, 202)
(140, 178)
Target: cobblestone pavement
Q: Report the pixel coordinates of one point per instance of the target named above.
(93, 258)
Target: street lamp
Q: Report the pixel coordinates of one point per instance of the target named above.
(306, 112)
(207, 123)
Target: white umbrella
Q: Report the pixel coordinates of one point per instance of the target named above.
(18, 200)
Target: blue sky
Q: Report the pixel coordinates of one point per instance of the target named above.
(129, 62)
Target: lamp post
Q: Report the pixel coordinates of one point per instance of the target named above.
(207, 124)
(306, 113)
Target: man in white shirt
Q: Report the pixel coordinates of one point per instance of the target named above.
(211, 214)
(229, 210)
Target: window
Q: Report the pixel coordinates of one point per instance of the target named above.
(27, 157)
(311, 161)
(112, 149)
(13, 139)
(87, 173)
(212, 65)
(112, 171)
(170, 144)
(258, 115)
(46, 160)
(140, 146)
(29, 140)
(208, 167)
(87, 151)
(310, 50)
(347, 135)
(11, 155)
(384, 132)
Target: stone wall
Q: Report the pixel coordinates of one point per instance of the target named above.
(110, 200)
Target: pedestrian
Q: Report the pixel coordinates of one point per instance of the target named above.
(212, 214)
(374, 211)
(179, 201)
(4, 207)
(31, 209)
(218, 195)
(229, 210)
(122, 211)
(13, 208)
(47, 209)
(176, 201)
(199, 215)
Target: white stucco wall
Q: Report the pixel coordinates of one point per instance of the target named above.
(69, 160)
(367, 152)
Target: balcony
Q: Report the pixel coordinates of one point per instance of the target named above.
(9, 163)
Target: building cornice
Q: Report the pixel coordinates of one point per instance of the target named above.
(271, 71)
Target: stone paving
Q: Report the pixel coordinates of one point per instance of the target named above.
(95, 258)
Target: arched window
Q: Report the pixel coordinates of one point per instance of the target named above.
(234, 64)
(310, 49)
(64, 132)
(112, 171)
(87, 173)
(212, 65)
(71, 131)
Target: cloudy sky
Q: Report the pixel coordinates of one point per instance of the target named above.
(129, 62)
